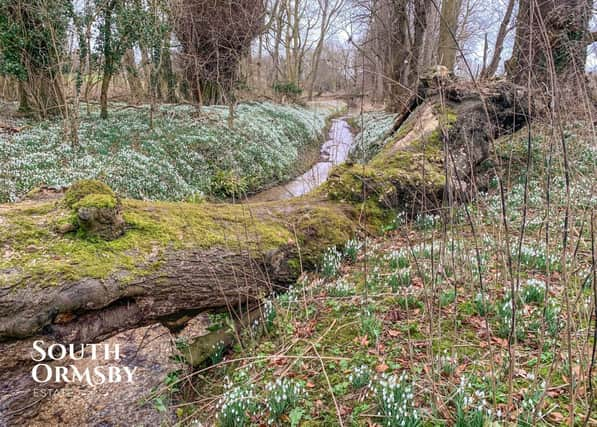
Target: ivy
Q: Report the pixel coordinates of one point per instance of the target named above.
(32, 35)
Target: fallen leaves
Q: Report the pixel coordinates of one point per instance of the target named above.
(362, 341)
(305, 329)
(381, 368)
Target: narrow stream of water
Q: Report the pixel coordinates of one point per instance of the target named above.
(333, 152)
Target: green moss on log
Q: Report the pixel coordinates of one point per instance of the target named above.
(39, 254)
(83, 188)
(408, 169)
(394, 178)
(318, 227)
(97, 201)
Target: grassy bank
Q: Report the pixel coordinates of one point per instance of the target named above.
(186, 155)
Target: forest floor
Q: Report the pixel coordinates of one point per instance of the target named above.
(414, 326)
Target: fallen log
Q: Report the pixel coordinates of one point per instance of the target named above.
(173, 257)
(176, 257)
(65, 280)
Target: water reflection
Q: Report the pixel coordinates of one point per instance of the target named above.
(333, 152)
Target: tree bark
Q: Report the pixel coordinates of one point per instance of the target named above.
(255, 251)
(551, 39)
(23, 99)
(167, 72)
(108, 58)
(317, 53)
(448, 45)
(104, 94)
(420, 28)
(132, 75)
(398, 56)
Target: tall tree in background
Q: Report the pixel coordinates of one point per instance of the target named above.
(448, 45)
(398, 54)
(420, 26)
(121, 24)
(394, 47)
(408, 25)
(329, 9)
(32, 44)
(551, 38)
(215, 35)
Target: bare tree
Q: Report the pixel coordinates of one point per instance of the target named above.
(121, 26)
(491, 69)
(32, 48)
(215, 35)
(329, 11)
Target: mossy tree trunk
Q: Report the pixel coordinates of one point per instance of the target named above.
(175, 260)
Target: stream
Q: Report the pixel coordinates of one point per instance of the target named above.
(333, 152)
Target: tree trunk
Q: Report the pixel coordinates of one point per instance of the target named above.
(167, 72)
(47, 93)
(132, 75)
(229, 255)
(106, 33)
(551, 39)
(448, 45)
(317, 53)
(420, 28)
(398, 56)
(104, 94)
(430, 41)
(24, 107)
(315, 64)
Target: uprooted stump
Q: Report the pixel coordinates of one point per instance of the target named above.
(435, 153)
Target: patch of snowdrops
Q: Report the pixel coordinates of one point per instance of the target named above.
(184, 156)
(372, 137)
